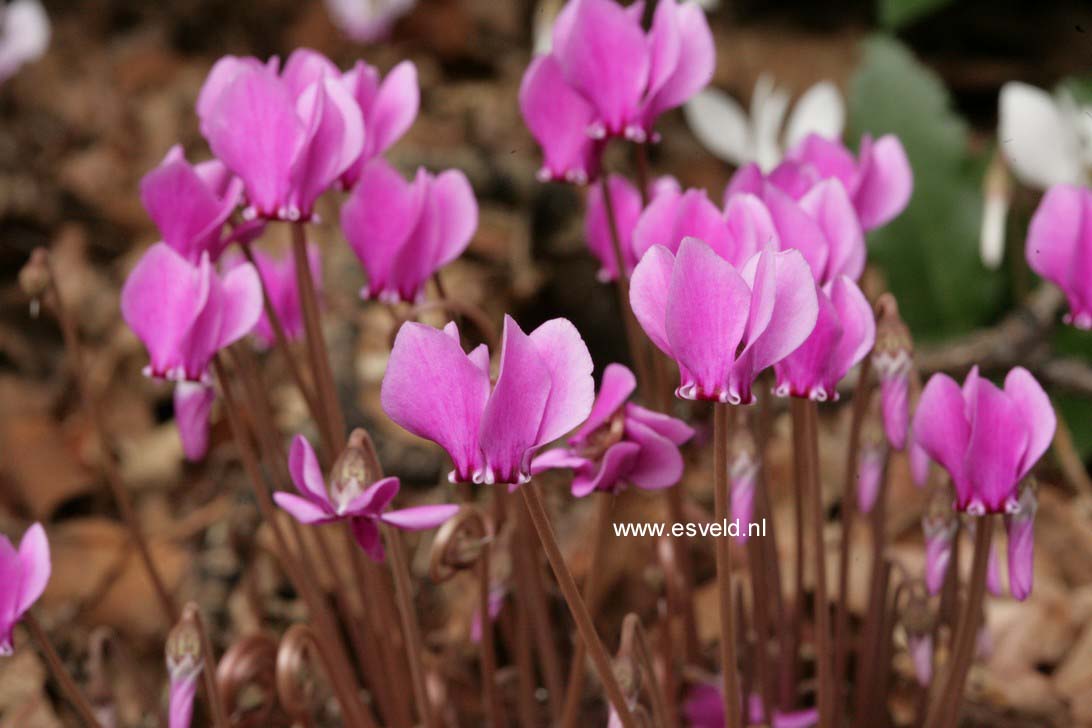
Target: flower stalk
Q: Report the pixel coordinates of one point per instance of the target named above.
(60, 672)
(722, 418)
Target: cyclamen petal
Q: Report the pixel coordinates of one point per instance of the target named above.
(188, 211)
(693, 65)
(572, 388)
(25, 574)
(388, 109)
(1020, 530)
(402, 233)
(920, 648)
(828, 204)
(1059, 247)
(558, 118)
(420, 517)
(192, 405)
(618, 384)
(674, 215)
(626, 203)
(278, 279)
(334, 141)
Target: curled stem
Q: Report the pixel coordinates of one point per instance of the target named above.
(250, 660)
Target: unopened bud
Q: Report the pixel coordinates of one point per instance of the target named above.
(184, 646)
(893, 358)
(35, 278)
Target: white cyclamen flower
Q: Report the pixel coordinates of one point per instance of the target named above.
(24, 35)
(725, 129)
(1045, 138)
(367, 21)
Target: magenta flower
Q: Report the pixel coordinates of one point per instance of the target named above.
(743, 229)
(403, 232)
(722, 326)
(388, 109)
(184, 667)
(620, 443)
(1059, 247)
(437, 391)
(278, 277)
(289, 137)
(879, 181)
(349, 495)
(987, 438)
(1020, 529)
(626, 202)
(192, 405)
(606, 76)
(24, 574)
(811, 215)
(190, 204)
(844, 332)
(185, 313)
(558, 118)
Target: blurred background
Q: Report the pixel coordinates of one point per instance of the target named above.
(115, 89)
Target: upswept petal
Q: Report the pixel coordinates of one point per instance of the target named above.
(705, 317)
(558, 118)
(807, 370)
(941, 429)
(453, 212)
(858, 328)
(35, 567)
(672, 216)
(998, 439)
(618, 384)
(610, 474)
(795, 310)
(1039, 143)
(673, 429)
(572, 388)
(828, 158)
(820, 110)
(240, 304)
(750, 228)
(162, 298)
(885, 181)
(1035, 409)
(693, 69)
(253, 128)
(303, 466)
(305, 67)
(512, 421)
(797, 229)
(435, 391)
(604, 55)
(333, 141)
(828, 204)
(1059, 247)
(722, 126)
(648, 291)
(396, 104)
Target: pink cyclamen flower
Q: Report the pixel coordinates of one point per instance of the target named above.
(1059, 247)
(348, 495)
(278, 278)
(367, 21)
(190, 204)
(605, 76)
(620, 443)
(722, 326)
(185, 313)
(388, 108)
(625, 201)
(24, 574)
(987, 438)
(1020, 529)
(403, 232)
(741, 230)
(704, 708)
(879, 180)
(288, 136)
(812, 215)
(192, 405)
(439, 392)
(844, 332)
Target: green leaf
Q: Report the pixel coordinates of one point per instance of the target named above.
(897, 13)
(929, 254)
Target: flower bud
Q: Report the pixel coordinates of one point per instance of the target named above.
(918, 621)
(939, 525)
(871, 459)
(742, 475)
(355, 469)
(184, 664)
(893, 358)
(1020, 529)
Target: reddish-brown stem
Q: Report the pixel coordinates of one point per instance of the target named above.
(806, 413)
(866, 672)
(494, 711)
(849, 508)
(759, 598)
(640, 153)
(60, 672)
(313, 405)
(109, 466)
(791, 662)
(945, 711)
(577, 607)
(316, 345)
(216, 704)
(525, 666)
(301, 578)
(637, 348)
(410, 629)
(722, 422)
(545, 645)
(575, 687)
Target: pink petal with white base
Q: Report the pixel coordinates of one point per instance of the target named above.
(828, 204)
(885, 182)
(572, 388)
(558, 118)
(420, 518)
(648, 292)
